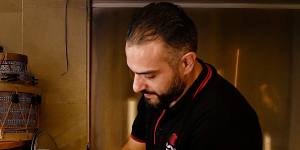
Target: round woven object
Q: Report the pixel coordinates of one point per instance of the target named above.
(13, 57)
(19, 105)
(13, 68)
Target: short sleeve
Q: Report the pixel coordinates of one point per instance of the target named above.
(139, 124)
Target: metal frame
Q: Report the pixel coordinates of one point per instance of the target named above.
(200, 5)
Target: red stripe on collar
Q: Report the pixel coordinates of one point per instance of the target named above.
(204, 82)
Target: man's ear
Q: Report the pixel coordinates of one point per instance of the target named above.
(188, 62)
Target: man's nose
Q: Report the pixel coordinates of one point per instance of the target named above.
(138, 84)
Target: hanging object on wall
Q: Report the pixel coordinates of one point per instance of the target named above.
(19, 100)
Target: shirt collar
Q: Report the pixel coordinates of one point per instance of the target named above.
(188, 96)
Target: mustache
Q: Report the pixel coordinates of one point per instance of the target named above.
(148, 92)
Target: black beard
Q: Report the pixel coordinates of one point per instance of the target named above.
(174, 92)
(176, 89)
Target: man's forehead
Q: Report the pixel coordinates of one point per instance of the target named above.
(144, 58)
(147, 50)
(142, 61)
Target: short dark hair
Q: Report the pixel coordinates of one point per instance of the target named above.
(163, 20)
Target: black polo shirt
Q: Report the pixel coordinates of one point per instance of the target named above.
(212, 115)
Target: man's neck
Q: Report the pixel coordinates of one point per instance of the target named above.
(189, 81)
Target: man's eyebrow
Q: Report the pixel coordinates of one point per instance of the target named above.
(146, 72)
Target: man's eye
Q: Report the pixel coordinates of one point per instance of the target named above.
(149, 76)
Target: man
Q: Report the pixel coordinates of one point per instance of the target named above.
(185, 104)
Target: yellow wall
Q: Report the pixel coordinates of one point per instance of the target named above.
(64, 105)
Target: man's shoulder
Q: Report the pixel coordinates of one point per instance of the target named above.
(220, 99)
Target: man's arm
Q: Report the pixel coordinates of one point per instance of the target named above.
(134, 145)
(136, 140)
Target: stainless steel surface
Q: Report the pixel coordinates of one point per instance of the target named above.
(200, 5)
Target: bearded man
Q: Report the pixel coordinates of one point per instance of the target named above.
(185, 104)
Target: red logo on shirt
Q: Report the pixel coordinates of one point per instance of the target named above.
(170, 145)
